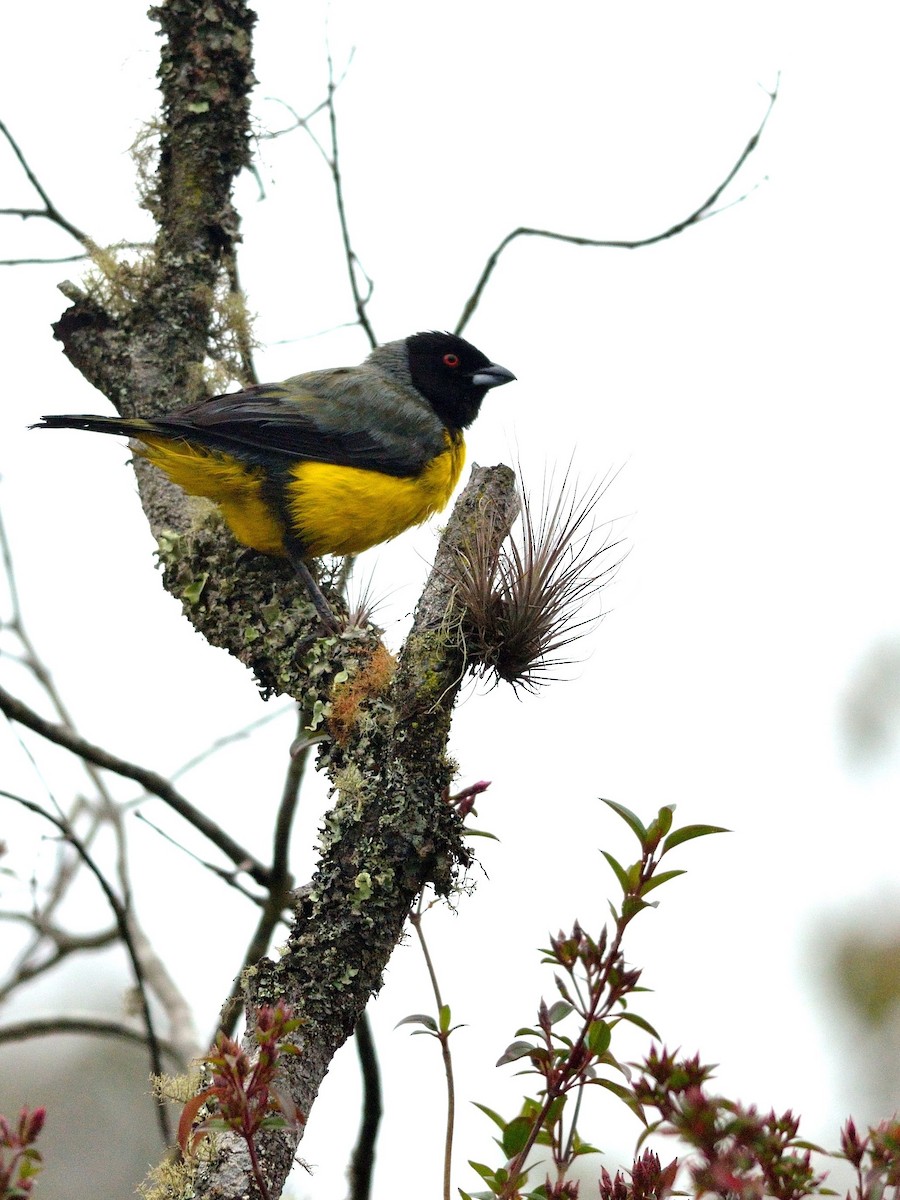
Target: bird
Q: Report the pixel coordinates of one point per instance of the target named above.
(328, 462)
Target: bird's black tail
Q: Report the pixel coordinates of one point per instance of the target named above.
(94, 424)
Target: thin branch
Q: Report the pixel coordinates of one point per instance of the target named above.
(39, 262)
(121, 915)
(227, 739)
(63, 945)
(290, 795)
(226, 875)
(281, 880)
(50, 212)
(303, 122)
(23, 1031)
(362, 1162)
(415, 918)
(332, 161)
(299, 122)
(354, 268)
(701, 213)
(68, 864)
(153, 783)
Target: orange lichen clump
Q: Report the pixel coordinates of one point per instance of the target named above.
(370, 680)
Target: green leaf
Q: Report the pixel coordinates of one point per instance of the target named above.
(444, 1018)
(631, 819)
(515, 1135)
(690, 831)
(581, 1147)
(599, 1037)
(619, 870)
(479, 833)
(419, 1019)
(625, 1095)
(657, 880)
(664, 817)
(559, 1010)
(632, 905)
(489, 1112)
(515, 1051)
(486, 1173)
(555, 1110)
(641, 1024)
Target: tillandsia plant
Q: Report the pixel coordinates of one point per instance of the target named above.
(524, 596)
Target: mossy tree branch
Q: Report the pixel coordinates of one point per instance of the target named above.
(389, 834)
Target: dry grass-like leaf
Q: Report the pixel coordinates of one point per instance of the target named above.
(524, 602)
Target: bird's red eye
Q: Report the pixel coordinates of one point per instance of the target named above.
(451, 360)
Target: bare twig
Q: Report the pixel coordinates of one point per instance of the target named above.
(332, 159)
(281, 881)
(62, 945)
(226, 874)
(121, 915)
(49, 212)
(227, 739)
(153, 783)
(701, 213)
(362, 1161)
(299, 122)
(39, 262)
(23, 1031)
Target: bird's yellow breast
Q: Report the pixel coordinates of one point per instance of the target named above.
(331, 509)
(345, 510)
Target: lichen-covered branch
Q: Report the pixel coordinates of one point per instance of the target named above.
(389, 834)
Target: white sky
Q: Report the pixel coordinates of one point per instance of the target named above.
(742, 376)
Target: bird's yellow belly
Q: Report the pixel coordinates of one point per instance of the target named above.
(331, 509)
(237, 489)
(345, 510)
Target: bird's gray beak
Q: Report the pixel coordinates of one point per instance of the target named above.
(492, 376)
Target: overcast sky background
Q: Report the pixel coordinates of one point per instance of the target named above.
(739, 379)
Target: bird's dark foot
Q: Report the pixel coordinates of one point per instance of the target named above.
(320, 604)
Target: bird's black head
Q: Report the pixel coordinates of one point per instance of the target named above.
(452, 375)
